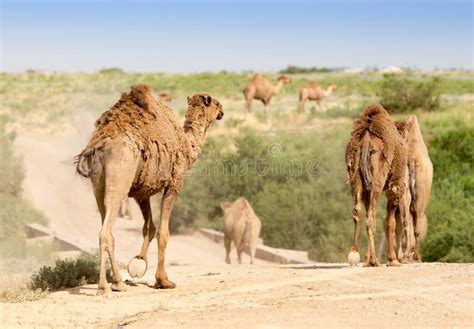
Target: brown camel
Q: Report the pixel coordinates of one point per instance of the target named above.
(376, 159)
(413, 228)
(165, 97)
(138, 149)
(262, 89)
(125, 207)
(242, 226)
(313, 92)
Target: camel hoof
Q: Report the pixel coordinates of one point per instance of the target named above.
(119, 286)
(227, 260)
(393, 263)
(103, 291)
(373, 263)
(137, 267)
(353, 258)
(405, 261)
(164, 284)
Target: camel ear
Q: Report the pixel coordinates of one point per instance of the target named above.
(206, 99)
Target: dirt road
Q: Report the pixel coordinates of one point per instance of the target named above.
(268, 296)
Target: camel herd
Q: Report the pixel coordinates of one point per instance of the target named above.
(260, 88)
(138, 148)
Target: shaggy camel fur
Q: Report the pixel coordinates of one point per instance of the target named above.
(126, 206)
(376, 159)
(313, 92)
(262, 89)
(242, 226)
(413, 228)
(138, 149)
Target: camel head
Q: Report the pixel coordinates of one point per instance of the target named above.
(332, 86)
(284, 78)
(225, 205)
(204, 105)
(165, 97)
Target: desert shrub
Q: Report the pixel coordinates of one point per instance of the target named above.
(292, 69)
(451, 210)
(111, 70)
(402, 94)
(68, 273)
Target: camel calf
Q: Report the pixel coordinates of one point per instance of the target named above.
(412, 228)
(242, 226)
(376, 159)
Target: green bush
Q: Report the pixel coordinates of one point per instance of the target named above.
(402, 94)
(451, 210)
(68, 274)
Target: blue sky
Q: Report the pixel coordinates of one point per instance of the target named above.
(190, 36)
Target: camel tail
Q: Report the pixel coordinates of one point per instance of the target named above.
(86, 162)
(365, 165)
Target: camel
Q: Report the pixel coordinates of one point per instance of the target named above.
(242, 226)
(262, 89)
(165, 97)
(420, 177)
(376, 158)
(139, 149)
(125, 208)
(313, 92)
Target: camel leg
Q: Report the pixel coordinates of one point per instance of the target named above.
(399, 235)
(253, 248)
(167, 202)
(248, 103)
(227, 245)
(98, 182)
(318, 105)
(390, 234)
(149, 228)
(371, 259)
(301, 105)
(107, 243)
(240, 250)
(108, 206)
(354, 256)
(419, 221)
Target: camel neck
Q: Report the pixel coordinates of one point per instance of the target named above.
(195, 130)
(328, 92)
(277, 87)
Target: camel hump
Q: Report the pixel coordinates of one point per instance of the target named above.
(141, 95)
(374, 110)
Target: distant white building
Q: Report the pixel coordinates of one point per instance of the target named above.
(353, 70)
(392, 69)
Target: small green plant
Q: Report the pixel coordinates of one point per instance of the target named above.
(401, 94)
(68, 274)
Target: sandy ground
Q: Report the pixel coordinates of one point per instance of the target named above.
(268, 296)
(211, 294)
